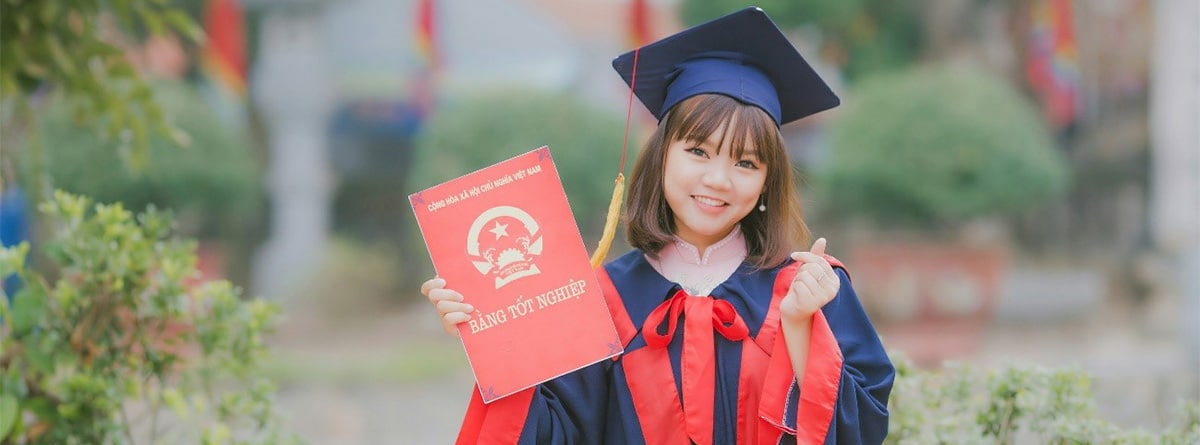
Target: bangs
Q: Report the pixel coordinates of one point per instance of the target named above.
(698, 117)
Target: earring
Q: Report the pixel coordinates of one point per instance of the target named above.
(762, 205)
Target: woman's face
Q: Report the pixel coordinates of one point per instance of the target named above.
(708, 190)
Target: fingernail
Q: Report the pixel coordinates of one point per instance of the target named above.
(470, 309)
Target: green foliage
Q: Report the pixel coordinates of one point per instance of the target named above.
(122, 339)
(485, 128)
(786, 13)
(72, 46)
(964, 405)
(864, 36)
(215, 178)
(939, 144)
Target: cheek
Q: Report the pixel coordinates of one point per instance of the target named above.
(754, 184)
(676, 175)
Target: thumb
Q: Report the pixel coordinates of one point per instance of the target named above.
(818, 247)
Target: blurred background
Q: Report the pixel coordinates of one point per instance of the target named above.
(1008, 181)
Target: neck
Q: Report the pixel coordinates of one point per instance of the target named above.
(699, 250)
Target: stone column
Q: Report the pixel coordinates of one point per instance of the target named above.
(1175, 167)
(292, 89)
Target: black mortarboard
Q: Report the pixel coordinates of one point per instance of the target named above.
(742, 55)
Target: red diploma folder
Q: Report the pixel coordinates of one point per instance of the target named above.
(504, 237)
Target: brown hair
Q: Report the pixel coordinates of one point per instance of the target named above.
(770, 235)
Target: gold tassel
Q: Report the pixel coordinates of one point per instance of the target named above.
(610, 222)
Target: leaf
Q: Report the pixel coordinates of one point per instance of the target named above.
(42, 409)
(58, 253)
(152, 20)
(14, 382)
(12, 259)
(215, 434)
(8, 414)
(60, 56)
(174, 400)
(177, 135)
(40, 356)
(184, 24)
(49, 14)
(34, 69)
(23, 24)
(29, 305)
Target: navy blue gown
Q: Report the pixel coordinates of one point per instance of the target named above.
(706, 369)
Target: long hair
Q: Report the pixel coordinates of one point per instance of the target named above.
(770, 235)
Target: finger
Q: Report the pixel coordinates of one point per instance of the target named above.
(811, 258)
(434, 283)
(818, 247)
(451, 320)
(817, 285)
(832, 283)
(813, 269)
(804, 285)
(437, 295)
(445, 307)
(823, 273)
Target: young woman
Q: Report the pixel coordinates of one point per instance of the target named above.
(731, 337)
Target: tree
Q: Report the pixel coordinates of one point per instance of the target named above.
(74, 48)
(213, 186)
(861, 36)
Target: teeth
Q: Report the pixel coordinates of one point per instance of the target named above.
(709, 201)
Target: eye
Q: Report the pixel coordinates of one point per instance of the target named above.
(746, 163)
(698, 151)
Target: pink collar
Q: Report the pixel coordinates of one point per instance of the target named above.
(680, 262)
(720, 251)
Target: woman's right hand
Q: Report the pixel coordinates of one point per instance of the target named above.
(449, 304)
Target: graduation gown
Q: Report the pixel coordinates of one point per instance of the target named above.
(706, 370)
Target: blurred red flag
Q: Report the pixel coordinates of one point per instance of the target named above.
(639, 23)
(426, 34)
(225, 49)
(1052, 65)
(423, 82)
(223, 62)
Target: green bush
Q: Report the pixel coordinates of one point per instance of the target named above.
(121, 348)
(871, 35)
(214, 180)
(939, 144)
(484, 128)
(965, 405)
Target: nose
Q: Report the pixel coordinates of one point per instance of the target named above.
(716, 176)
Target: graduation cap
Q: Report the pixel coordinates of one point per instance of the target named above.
(742, 55)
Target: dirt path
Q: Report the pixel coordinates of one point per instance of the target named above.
(390, 376)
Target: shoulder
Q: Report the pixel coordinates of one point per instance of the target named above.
(625, 263)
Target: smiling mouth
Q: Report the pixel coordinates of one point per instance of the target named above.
(709, 201)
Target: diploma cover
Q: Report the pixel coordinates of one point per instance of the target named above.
(505, 238)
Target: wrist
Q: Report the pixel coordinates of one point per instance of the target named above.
(797, 321)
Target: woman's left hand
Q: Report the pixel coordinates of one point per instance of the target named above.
(814, 285)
